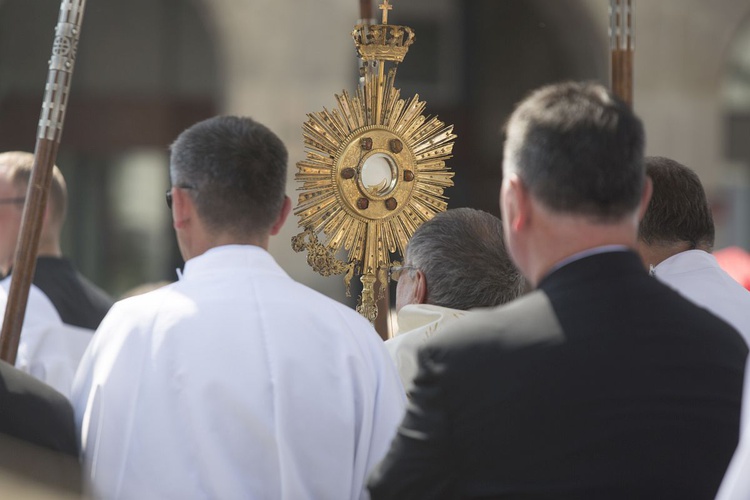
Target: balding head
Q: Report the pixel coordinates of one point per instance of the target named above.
(16, 167)
(15, 173)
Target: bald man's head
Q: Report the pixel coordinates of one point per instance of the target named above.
(15, 174)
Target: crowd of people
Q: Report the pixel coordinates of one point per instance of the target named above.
(585, 345)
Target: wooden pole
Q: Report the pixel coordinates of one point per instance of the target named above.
(365, 11)
(51, 122)
(622, 48)
(365, 19)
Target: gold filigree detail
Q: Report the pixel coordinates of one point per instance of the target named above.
(367, 306)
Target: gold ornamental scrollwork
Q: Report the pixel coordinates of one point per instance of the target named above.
(374, 169)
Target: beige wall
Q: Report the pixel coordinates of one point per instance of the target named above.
(681, 54)
(681, 50)
(285, 58)
(280, 59)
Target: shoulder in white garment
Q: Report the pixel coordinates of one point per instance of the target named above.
(697, 276)
(235, 381)
(48, 349)
(416, 324)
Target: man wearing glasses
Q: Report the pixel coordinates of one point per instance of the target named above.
(235, 381)
(62, 318)
(454, 262)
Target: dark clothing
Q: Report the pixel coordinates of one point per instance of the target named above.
(34, 412)
(602, 384)
(78, 301)
(38, 446)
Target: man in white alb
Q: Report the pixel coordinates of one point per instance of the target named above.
(675, 239)
(236, 381)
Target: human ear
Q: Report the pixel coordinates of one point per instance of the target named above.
(286, 208)
(648, 189)
(182, 207)
(420, 288)
(515, 203)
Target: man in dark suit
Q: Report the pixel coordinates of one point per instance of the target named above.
(38, 447)
(602, 383)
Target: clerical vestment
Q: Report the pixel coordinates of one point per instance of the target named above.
(696, 275)
(234, 382)
(48, 349)
(416, 324)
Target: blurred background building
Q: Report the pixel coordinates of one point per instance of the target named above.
(147, 69)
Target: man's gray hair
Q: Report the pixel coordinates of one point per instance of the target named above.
(463, 257)
(578, 149)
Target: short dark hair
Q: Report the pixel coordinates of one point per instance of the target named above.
(578, 149)
(678, 211)
(236, 168)
(463, 257)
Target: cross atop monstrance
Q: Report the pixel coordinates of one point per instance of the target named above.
(385, 7)
(374, 172)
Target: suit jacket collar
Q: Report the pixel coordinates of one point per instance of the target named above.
(608, 266)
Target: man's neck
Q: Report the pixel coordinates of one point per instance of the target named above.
(564, 237)
(49, 240)
(49, 250)
(199, 246)
(44, 250)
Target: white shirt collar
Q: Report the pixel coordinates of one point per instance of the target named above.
(687, 261)
(229, 257)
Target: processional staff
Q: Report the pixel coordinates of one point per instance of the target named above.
(622, 48)
(365, 12)
(50, 128)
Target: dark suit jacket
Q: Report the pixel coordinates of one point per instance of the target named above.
(78, 301)
(34, 412)
(38, 447)
(601, 384)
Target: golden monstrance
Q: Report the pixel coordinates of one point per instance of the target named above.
(374, 169)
